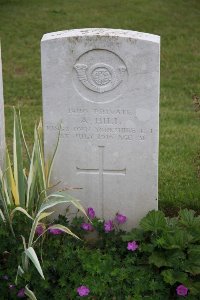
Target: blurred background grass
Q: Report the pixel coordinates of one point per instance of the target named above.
(22, 24)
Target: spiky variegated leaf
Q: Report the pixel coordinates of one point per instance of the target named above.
(31, 182)
(22, 210)
(10, 184)
(29, 293)
(51, 161)
(23, 137)
(64, 229)
(55, 199)
(30, 252)
(59, 198)
(18, 161)
(44, 215)
(52, 200)
(39, 154)
(2, 216)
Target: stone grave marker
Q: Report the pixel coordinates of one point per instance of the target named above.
(2, 133)
(101, 88)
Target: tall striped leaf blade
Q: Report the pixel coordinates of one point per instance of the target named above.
(52, 200)
(29, 293)
(10, 181)
(55, 199)
(39, 162)
(4, 204)
(64, 229)
(23, 137)
(44, 215)
(22, 210)
(50, 162)
(30, 252)
(18, 160)
(4, 200)
(32, 196)
(2, 217)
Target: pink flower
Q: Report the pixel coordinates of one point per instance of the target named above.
(132, 246)
(11, 286)
(83, 290)
(91, 212)
(108, 226)
(86, 226)
(181, 290)
(40, 229)
(21, 293)
(55, 231)
(121, 219)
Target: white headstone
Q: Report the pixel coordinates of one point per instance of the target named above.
(2, 133)
(102, 87)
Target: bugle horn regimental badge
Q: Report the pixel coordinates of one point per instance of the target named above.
(100, 77)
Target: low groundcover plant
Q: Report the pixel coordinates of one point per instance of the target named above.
(157, 260)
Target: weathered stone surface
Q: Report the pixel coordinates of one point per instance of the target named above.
(2, 133)
(102, 87)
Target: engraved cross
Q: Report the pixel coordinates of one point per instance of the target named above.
(101, 171)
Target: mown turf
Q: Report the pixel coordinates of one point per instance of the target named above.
(22, 24)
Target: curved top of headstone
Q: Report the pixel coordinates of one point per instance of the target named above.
(102, 32)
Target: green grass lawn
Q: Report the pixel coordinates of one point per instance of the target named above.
(22, 24)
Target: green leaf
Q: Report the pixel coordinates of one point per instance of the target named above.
(192, 265)
(154, 221)
(187, 217)
(172, 222)
(159, 259)
(30, 252)
(194, 250)
(168, 258)
(177, 240)
(29, 293)
(194, 287)
(135, 234)
(171, 276)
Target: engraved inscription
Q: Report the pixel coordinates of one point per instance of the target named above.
(101, 171)
(102, 125)
(100, 76)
